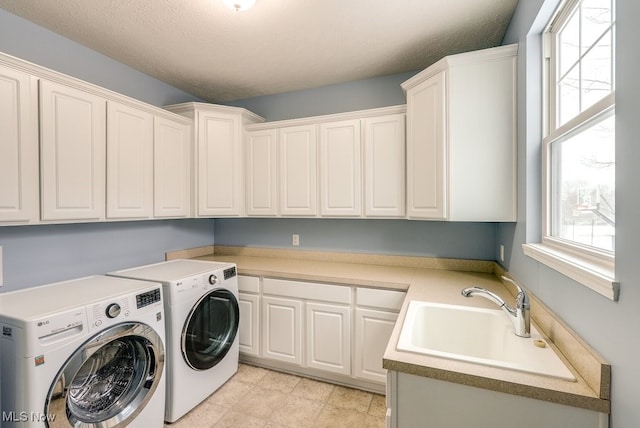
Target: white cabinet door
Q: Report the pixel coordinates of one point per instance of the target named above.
(248, 330)
(426, 167)
(298, 170)
(372, 332)
(340, 169)
(328, 337)
(261, 165)
(384, 166)
(72, 150)
(172, 168)
(220, 164)
(19, 189)
(129, 162)
(281, 329)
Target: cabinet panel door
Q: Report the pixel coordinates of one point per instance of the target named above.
(19, 189)
(340, 169)
(298, 171)
(129, 162)
(384, 166)
(328, 337)
(72, 127)
(426, 155)
(373, 330)
(171, 168)
(282, 329)
(220, 165)
(262, 190)
(249, 323)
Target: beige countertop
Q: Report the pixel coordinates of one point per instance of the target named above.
(440, 281)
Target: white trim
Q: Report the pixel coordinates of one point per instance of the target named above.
(597, 277)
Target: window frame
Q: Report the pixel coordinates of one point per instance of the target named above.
(587, 265)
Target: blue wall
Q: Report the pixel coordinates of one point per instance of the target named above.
(43, 254)
(417, 238)
(610, 327)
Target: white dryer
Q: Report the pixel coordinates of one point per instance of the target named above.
(202, 314)
(88, 352)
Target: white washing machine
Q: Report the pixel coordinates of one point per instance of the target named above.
(202, 314)
(83, 353)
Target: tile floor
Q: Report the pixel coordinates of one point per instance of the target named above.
(261, 398)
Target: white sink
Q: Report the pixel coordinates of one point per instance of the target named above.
(477, 335)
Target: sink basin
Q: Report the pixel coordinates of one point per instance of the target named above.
(477, 335)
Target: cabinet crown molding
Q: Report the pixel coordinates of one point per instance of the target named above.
(183, 108)
(41, 72)
(490, 54)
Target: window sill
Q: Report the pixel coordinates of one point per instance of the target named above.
(598, 278)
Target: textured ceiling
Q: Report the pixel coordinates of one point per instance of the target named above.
(217, 54)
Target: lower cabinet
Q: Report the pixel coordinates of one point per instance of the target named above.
(375, 315)
(339, 330)
(249, 305)
(281, 329)
(328, 337)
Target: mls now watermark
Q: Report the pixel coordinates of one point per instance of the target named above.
(27, 417)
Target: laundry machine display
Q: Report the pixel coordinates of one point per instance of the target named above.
(84, 353)
(202, 315)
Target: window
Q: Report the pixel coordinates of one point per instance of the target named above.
(579, 144)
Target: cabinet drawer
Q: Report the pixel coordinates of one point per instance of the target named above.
(384, 299)
(248, 284)
(307, 290)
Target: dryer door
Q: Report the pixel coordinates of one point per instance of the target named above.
(210, 329)
(109, 379)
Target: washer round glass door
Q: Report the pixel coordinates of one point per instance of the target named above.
(109, 379)
(210, 329)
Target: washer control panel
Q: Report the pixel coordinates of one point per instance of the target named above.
(148, 298)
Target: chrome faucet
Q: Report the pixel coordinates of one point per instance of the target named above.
(519, 316)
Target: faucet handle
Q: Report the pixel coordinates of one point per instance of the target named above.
(522, 298)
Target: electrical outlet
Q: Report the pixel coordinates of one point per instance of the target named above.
(295, 240)
(501, 252)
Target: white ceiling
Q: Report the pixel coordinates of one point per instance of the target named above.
(217, 54)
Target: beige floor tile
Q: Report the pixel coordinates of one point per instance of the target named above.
(206, 414)
(378, 407)
(349, 398)
(230, 393)
(250, 374)
(374, 422)
(313, 389)
(260, 403)
(235, 419)
(261, 398)
(277, 381)
(296, 412)
(336, 417)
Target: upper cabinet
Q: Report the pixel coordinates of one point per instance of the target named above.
(129, 162)
(262, 169)
(340, 168)
(219, 157)
(461, 138)
(384, 165)
(72, 153)
(172, 167)
(19, 187)
(298, 170)
(328, 166)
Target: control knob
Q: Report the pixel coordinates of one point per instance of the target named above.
(113, 310)
(213, 279)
